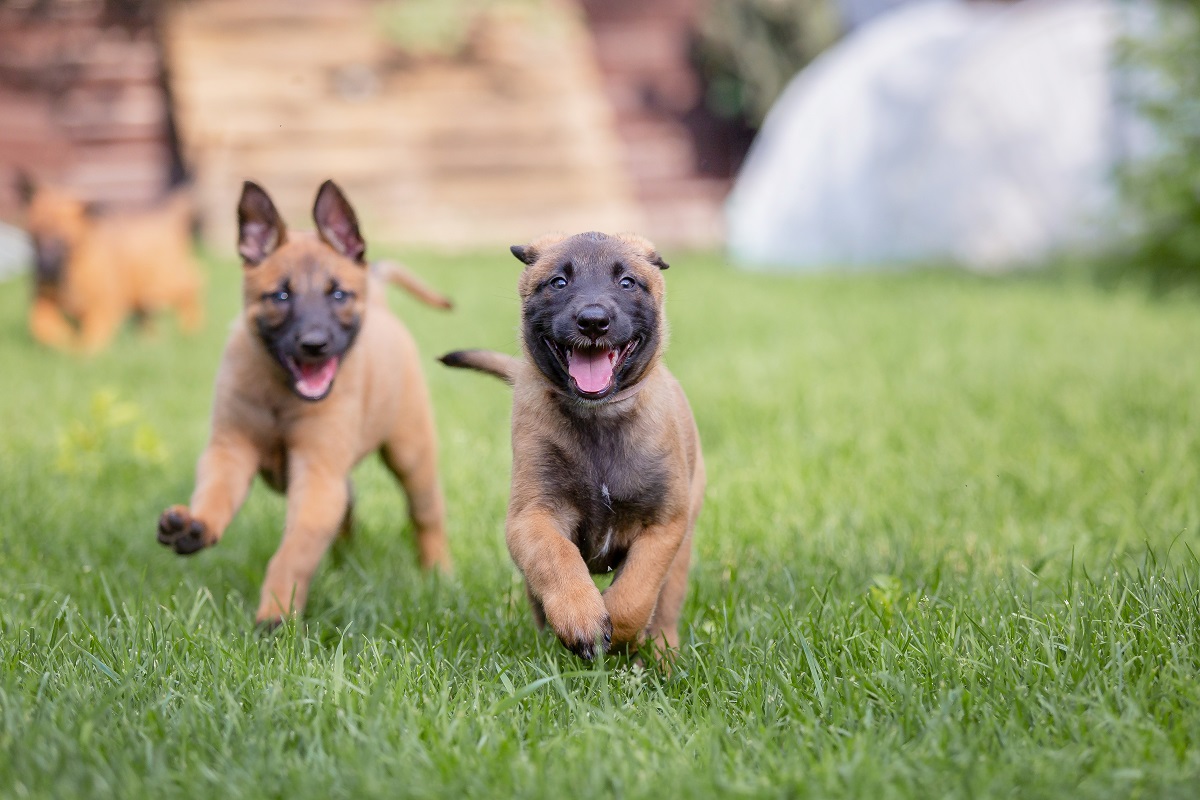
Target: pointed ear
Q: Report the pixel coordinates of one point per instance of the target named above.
(25, 188)
(336, 222)
(260, 229)
(525, 253)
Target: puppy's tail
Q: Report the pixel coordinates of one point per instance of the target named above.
(399, 275)
(502, 366)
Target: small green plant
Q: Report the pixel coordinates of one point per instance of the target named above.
(111, 435)
(439, 28)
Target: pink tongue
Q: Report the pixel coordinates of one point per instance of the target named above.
(593, 370)
(315, 378)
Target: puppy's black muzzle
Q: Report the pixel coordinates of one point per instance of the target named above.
(593, 321)
(50, 256)
(315, 343)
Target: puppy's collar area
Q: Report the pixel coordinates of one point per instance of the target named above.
(627, 393)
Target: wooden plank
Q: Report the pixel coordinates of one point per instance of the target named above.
(436, 151)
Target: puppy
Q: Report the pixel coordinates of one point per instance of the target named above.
(607, 470)
(93, 272)
(316, 374)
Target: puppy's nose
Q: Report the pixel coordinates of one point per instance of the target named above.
(314, 343)
(592, 321)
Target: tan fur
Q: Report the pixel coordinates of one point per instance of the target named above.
(379, 402)
(116, 266)
(644, 600)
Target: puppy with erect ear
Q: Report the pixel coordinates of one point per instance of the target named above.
(316, 374)
(607, 470)
(92, 271)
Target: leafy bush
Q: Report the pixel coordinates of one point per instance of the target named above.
(1162, 193)
(748, 50)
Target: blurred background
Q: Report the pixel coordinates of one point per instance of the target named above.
(805, 134)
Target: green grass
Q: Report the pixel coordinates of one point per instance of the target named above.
(948, 550)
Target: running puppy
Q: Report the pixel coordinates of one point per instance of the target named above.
(317, 374)
(93, 272)
(607, 470)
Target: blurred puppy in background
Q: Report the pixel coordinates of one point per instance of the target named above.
(316, 375)
(92, 272)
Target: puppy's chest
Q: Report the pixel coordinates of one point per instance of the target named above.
(273, 440)
(616, 486)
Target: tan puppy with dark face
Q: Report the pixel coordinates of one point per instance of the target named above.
(94, 272)
(316, 375)
(607, 470)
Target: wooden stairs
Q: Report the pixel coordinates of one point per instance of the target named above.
(514, 139)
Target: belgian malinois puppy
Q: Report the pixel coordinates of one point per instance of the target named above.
(316, 374)
(607, 471)
(92, 272)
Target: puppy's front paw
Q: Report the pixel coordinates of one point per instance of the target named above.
(179, 531)
(580, 620)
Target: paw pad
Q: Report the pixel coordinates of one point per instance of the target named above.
(177, 530)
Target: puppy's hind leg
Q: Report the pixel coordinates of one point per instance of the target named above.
(346, 529)
(146, 324)
(411, 454)
(664, 623)
(536, 607)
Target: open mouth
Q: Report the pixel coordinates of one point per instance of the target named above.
(312, 381)
(592, 370)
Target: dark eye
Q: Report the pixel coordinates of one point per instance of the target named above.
(558, 283)
(282, 296)
(339, 295)
(627, 282)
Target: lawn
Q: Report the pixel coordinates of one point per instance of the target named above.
(949, 549)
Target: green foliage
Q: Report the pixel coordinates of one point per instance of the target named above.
(441, 28)
(429, 27)
(947, 550)
(748, 50)
(109, 436)
(1163, 194)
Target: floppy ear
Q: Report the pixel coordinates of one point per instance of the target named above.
(524, 252)
(25, 187)
(649, 251)
(336, 222)
(530, 253)
(260, 229)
